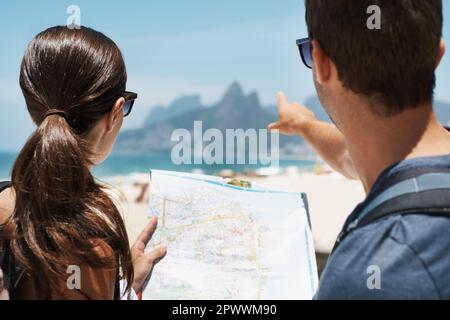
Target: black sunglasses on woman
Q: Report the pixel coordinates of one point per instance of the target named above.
(130, 98)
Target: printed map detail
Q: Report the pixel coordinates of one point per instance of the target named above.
(227, 242)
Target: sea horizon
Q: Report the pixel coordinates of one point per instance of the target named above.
(125, 165)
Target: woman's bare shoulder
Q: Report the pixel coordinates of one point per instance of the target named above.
(7, 204)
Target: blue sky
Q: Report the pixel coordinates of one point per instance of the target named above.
(173, 48)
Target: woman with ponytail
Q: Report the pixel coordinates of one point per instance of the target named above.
(56, 218)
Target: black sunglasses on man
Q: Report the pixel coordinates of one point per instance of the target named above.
(305, 48)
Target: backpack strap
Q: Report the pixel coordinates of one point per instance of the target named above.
(8, 264)
(4, 185)
(427, 194)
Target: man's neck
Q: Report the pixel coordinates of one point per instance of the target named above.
(375, 143)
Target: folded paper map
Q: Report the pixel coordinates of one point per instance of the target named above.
(229, 240)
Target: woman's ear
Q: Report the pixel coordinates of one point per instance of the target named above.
(322, 64)
(115, 116)
(441, 52)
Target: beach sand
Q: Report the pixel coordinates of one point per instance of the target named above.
(331, 199)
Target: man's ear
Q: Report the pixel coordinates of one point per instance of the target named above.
(441, 52)
(115, 115)
(322, 64)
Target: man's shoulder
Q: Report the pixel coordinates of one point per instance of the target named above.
(408, 253)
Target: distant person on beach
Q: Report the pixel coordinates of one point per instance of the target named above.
(377, 86)
(56, 219)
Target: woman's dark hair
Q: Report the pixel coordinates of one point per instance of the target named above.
(61, 212)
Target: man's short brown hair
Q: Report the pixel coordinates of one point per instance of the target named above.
(393, 66)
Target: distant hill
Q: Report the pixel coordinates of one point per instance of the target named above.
(235, 110)
(178, 107)
(442, 110)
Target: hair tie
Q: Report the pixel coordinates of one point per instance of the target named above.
(52, 112)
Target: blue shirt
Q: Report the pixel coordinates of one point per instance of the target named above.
(399, 257)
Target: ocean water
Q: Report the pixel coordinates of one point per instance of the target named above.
(119, 165)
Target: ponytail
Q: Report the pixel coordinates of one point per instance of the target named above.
(60, 209)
